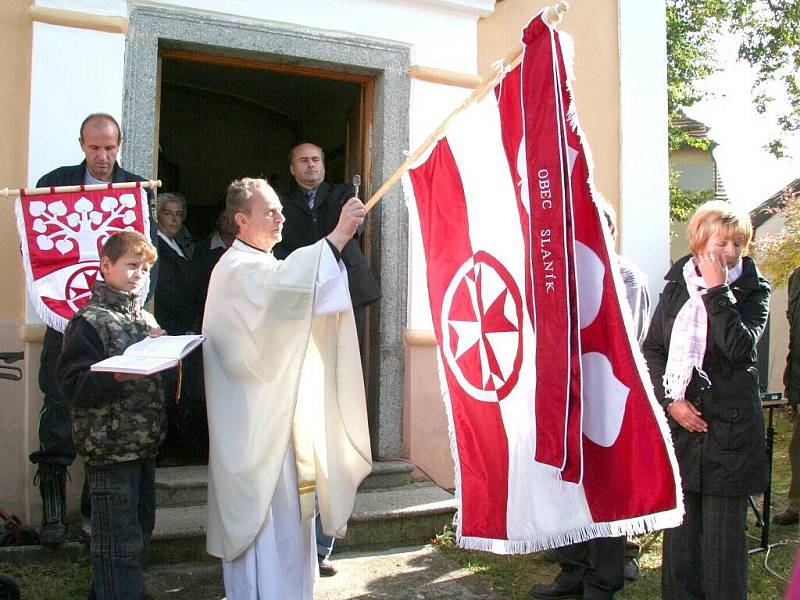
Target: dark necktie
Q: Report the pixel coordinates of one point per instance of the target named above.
(310, 196)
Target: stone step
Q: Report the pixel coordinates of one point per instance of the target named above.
(388, 474)
(181, 486)
(188, 486)
(404, 515)
(398, 516)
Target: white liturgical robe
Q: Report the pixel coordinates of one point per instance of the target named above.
(285, 396)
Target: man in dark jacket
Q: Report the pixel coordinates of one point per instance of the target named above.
(312, 211)
(791, 383)
(100, 139)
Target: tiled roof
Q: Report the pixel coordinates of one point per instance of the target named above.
(692, 128)
(761, 213)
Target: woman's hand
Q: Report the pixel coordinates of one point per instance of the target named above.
(687, 416)
(156, 332)
(713, 268)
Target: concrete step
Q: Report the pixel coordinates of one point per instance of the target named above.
(181, 486)
(388, 474)
(188, 486)
(402, 515)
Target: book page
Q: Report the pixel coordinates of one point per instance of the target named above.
(134, 364)
(165, 346)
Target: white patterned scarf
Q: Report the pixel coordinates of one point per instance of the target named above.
(687, 346)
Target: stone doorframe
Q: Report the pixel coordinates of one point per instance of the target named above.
(152, 27)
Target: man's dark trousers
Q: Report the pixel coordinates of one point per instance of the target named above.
(596, 566)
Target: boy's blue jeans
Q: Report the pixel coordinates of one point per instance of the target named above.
(123, 498)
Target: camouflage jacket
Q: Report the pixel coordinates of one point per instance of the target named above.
(112, 422)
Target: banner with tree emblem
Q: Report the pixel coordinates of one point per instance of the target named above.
(62, 235)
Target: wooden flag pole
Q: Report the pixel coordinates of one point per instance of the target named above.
(151, 184)
(553, 14)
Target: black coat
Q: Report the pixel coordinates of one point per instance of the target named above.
(730, 458)
(304, 227)
(177, 292)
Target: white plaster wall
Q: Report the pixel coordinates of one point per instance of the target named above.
(644, 180)
(74, 72)
(441, 33)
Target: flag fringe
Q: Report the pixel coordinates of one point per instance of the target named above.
(637, 526)
(50, 318)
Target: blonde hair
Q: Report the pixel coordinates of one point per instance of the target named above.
(714, 216)
(131, 241)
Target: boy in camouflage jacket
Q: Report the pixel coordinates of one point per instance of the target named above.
(118, 420)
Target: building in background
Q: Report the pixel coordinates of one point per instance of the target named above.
(697, 173)
(768, 219)
(209, 90)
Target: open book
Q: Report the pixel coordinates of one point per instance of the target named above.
(151, 355)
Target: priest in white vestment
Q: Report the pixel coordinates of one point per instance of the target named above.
(285, 396)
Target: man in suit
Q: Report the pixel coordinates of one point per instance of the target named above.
(312, 211)
(100, 139)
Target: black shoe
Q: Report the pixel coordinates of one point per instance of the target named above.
(631, 569)
(326, 568)
(553, 590)
(787, 517)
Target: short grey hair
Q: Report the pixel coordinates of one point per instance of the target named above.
(175, 197)
(239, 197)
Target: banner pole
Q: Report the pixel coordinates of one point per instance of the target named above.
(552, 15)
(151, 184)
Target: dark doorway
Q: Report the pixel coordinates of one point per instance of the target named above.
(220, 118)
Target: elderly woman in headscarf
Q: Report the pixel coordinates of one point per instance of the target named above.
(701, 352)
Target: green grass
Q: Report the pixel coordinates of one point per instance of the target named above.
(509, 576)
(56, 580)
(512, 576)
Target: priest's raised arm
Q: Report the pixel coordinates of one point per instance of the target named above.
(285, 398)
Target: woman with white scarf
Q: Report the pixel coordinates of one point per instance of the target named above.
(701, 352)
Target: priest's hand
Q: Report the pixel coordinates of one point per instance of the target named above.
(351, 217)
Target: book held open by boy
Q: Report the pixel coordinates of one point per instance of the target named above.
(151, 355)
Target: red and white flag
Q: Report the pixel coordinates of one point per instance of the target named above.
(556, 434)
(62, 235)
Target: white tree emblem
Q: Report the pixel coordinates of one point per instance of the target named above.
(84, 227)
